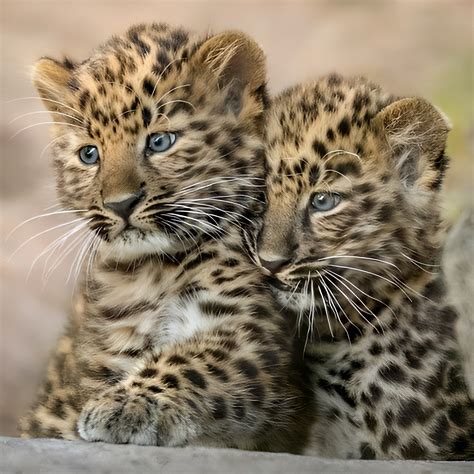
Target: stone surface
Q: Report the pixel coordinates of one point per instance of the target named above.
(64, 457)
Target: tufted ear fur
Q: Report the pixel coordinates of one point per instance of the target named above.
(51, 78)
(416, 133)
(237, 63)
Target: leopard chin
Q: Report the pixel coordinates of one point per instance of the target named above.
(132, 243)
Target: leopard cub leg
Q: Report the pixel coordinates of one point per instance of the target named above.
(205, 391)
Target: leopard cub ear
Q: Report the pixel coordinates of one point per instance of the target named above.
(416, 133)
(237, 66)
(52, 79)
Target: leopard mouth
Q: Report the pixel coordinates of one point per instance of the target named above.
(278, 284)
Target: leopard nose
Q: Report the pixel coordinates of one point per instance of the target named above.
(273, 266)
(124, 207)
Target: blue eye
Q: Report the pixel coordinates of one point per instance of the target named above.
(160, 142)
(323, 202)
(89, 154)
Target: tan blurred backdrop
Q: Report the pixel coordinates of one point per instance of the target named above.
(410, 47)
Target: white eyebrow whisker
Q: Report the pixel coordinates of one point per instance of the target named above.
(341, 152)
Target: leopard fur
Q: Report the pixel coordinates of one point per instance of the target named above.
(360, 276)
(174, 339)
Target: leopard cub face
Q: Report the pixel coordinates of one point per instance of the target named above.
(156, 137)
(352, 195)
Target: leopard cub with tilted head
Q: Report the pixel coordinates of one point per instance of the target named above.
(351, 238)
(174, 339)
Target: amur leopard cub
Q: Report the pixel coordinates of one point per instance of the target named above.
(174, 339)
(351, 238)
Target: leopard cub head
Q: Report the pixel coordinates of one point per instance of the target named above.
(157, 137)
(353, 180)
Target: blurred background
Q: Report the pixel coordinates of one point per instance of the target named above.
(411, 47)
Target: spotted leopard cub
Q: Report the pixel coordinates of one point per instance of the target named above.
(174, 339)
(352, 239)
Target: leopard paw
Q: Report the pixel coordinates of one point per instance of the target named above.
(120, 416)
(124, 414)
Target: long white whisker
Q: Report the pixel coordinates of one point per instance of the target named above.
(420, 265)
(326, 311)
(44, 100)
(191, 189)
(176, 101)
(219, 178)
(340, 277)
(342, 310)
(163, 72)
(39, 217)
(192, 210)
(359, 311)
(44, 112)
(54, 140)
(360, 258)
(52, 247)
(216, 199)
(79, 260)
(170, 91)
(341, 174)
(333, 307)
(67, 250)
(341, 152)
(292, 294)
(231, 213)
(45, 123)
(41, 233)
(373, 274)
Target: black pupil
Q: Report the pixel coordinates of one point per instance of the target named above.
(90, 152)
(157, 141)
(323, 198)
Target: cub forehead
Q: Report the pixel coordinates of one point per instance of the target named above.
(153, 47)
(316, 118)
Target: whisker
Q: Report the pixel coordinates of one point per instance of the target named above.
(360, 258)
(170, 91)
(341, 174)
(359, 311)
(79, 259)
(45, 123)
(190, 210)
(326, 311)
(292, 294)
(176, 101)
(392, 282)
(343, 312)
(45, 100)
(420, 265)
(164, 71)
(54, 140)
(337, 276)
(53, 246)
(41, 233)
(92, 255)
(67, 250)
(39, 217)
(219, 178)
(362, 303)
(333, 307)
(45, 112)
(341, 152)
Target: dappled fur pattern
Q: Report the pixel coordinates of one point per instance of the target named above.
(361, 278)
(173, 339)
